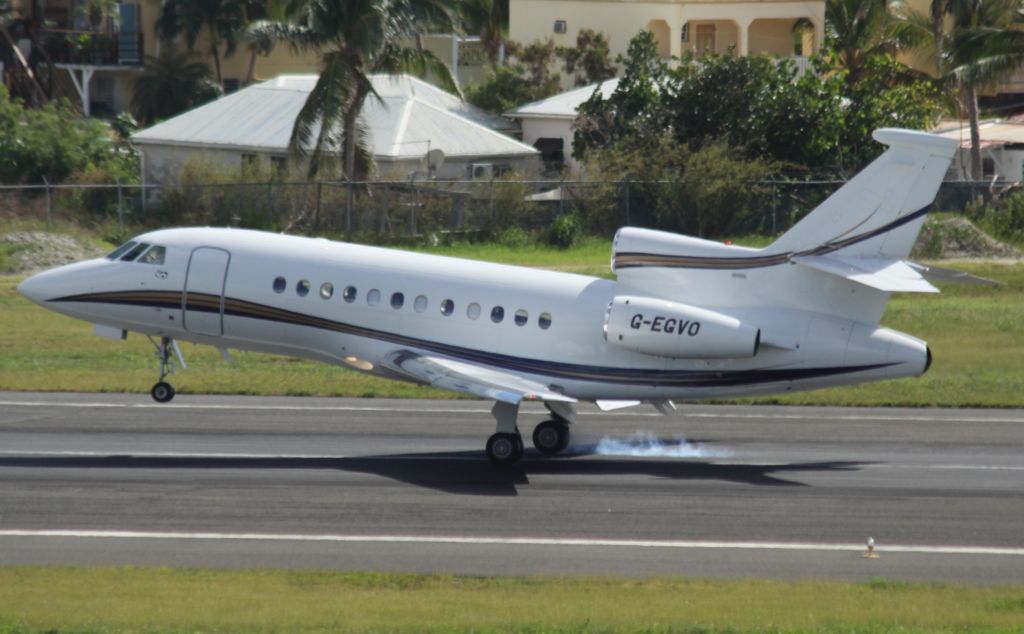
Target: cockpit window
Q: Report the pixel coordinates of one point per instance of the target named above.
(134, 252)
(119, 251)
(154, 256)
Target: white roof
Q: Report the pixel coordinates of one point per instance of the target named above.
(564, 105)
(993, 133)
(409, 114)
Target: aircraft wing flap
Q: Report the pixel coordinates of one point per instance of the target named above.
(468, 378)
(880, 273)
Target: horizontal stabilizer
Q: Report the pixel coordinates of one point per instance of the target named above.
(892, 276)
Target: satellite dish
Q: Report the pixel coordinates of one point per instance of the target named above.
(435, 159)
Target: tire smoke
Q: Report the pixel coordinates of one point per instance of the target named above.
(644, 444)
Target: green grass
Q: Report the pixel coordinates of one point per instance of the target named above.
(61, 599)
(976, 334)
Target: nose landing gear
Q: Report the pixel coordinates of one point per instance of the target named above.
(163, 392)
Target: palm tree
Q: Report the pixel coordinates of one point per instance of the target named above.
(355, 39)
(981, 47)
(221, 20)
(858, 30)
(171, 84)
(489, 20)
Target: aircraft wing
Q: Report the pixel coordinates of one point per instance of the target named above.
(468, 378)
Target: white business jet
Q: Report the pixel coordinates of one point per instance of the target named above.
(686, 318)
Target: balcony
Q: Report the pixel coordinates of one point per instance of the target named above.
(92, 48)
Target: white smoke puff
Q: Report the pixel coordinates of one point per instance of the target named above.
(644, 444)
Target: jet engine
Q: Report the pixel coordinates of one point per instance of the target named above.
(670, 329)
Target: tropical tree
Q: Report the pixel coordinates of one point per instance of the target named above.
(222, 22)
(489, 20)
(171, 84)
(354, 39)
(977, 46)
(590, 61)
(857, 30)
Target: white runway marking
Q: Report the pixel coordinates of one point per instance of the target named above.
(513, 541)
(475, 410)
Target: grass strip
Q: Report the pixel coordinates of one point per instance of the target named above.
(107, 599)
(976, 334)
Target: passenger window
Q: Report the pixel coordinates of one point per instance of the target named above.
(497, 314)
(373, 297)
(280, 284)
(447, 307)
(326, 290)
(544, 321)
(154, 256)
(119, 251)
(522, 317)
(302, 288)
(134, 252)
(473, 310)
(420, 304)
(350, 294)
(397, 300)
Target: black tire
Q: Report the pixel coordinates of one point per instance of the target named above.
(162, 392)
(504, 449)
(551, 437)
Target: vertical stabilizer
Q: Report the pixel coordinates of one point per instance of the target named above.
(878, 213)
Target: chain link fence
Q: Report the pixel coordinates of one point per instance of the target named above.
(408, 211)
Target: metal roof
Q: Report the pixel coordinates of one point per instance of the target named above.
(410, 117)
(993, 134)
(563, 105)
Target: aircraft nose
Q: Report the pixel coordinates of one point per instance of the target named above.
(35, 288)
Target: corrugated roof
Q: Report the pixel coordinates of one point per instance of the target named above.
(564, 105)
(993, 133)
(409, 113)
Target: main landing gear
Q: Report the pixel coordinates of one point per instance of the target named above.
(163, 392)
(550, 437)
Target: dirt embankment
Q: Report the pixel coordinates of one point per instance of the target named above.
(30, 251)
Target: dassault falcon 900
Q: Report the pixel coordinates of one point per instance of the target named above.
(686, 318)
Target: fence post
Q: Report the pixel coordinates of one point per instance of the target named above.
(415, 203)
(775, 204)
(49, 206)
(316, 214)
(120, 208)
(350, 194)
(626, 188)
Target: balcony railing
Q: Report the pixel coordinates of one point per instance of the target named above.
(92, 48)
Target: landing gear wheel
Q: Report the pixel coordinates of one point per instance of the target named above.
(162, 392)
(551, 437)
(505, 449)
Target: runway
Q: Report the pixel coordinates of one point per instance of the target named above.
(397, 485)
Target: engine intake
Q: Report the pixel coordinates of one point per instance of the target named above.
(670, 329)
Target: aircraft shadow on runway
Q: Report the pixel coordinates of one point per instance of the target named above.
(461, 472)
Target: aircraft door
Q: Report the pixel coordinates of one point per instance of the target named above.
(203, 301)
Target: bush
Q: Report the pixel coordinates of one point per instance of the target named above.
(565, 232)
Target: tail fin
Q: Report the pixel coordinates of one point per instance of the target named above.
(878, 213)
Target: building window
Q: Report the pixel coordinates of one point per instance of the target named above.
(302, 288)
(326, 290)
(522, 317)
(373, 297)
(280, 284)
(447, 307)
(544, 321)
(397, 300)
(561, 26)
(497, 314)
(278, 165)
(473, 310)
(250, 163)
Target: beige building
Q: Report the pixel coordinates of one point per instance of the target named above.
(775, 27)
(55, 48)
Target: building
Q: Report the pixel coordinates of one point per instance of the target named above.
(548, 124)
(411, 120)
(1002, 150)
(51, 49)
(775, 27)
